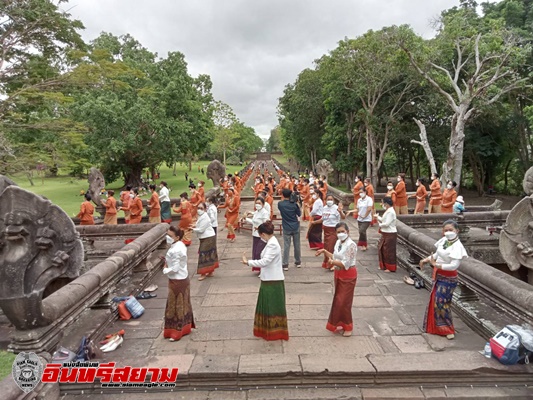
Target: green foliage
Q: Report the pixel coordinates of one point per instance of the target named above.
(145, 113)
(6, 363)
(273, 143)
(233, 160)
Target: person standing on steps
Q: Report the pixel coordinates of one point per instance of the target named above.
(86, 211)
(270, 322)
(290, 214)
(445, 262)
(155, 208)
(164, 199)
(400, 206)
(364, 217)
(389, 236)
(207, 252)
(259, 216)
(179, 319)
(435, 201)
(420, 195)
(343, 260)
(110, 208)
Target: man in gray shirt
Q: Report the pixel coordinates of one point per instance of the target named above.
(290, 212)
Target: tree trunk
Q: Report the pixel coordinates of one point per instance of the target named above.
(174, 171)
(506, 175)
(425, 145)
(368, 159)
(133, 178)
(454, 162)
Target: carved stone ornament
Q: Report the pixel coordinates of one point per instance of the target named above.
(516, 238)
(324, 167)
(216, 171)
(96, 184)
(38, 244)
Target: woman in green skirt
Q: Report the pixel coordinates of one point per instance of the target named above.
(270, 321)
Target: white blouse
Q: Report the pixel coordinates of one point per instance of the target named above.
(164, 194)
(258, 218)
(330, 216)
(203, 227)
(346, 253)
(176, 259)
(270, 262)
(362, 208)
(318, 208)
(212, 212)
(451, 256)
(387, 223)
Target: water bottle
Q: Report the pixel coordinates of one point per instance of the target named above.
(487, 352)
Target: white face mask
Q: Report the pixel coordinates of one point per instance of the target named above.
(199, 185)
(311, 191)
(169, 239)
(389, 187)
(342, 236)
(450, 235)
(399, 179)
(362, 195)
(417, 184)
(356, 179)
(449, 187)
(314, 196)
(258, 207)
(132, 195)
(201, 212)
(329, 203)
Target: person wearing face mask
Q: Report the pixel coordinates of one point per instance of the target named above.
(258, 217)
(164, 199)
(370, 193)
(185, 219)
(258, 187)
(322, 187)
(269, 202)
(364, 217)
(445, 262)
(391, 192)
(212, 212)
(207, 252)
(125, 202)
(435, 201)
(343, 261)
(135, 207)
(357, 191)
(420, 195)
(448, 197)
(306, 199)
(400, 205)
(331, 216)
(232, 206)
(389, 236)
(179, 319)
(110, 205)
(314, 232)
(154, 216)
(270, 321)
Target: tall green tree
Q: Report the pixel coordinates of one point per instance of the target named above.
(273, 144)
(146, 111)
(471, 63)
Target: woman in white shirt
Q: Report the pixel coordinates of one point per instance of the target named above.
(164, 199)
(212, 212)
(343, 260)
(387, 242)
(259, 216)
(331, 216)
(364, 217)
(445, 262)
(207, 252)
(314, 232)
(270, 321)
(179, 318)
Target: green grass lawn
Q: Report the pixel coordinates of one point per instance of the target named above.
(64, 191)
(6, 363)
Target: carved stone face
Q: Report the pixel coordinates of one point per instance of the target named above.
(216, 171)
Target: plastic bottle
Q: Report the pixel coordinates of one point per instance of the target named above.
(487, 352)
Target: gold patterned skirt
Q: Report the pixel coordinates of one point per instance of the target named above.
(179, 318)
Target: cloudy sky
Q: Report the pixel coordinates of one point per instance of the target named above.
(250, 48)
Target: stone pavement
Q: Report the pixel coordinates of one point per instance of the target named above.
(387, 340)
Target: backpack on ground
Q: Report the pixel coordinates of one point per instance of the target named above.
(512, 345)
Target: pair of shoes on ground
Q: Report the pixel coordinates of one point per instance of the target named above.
(202, 277)
(113, 344)
(145, 295)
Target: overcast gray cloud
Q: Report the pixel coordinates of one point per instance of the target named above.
(250, 48)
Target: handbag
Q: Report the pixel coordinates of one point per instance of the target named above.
(123, 311)
(507, 346)
(134, 307)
